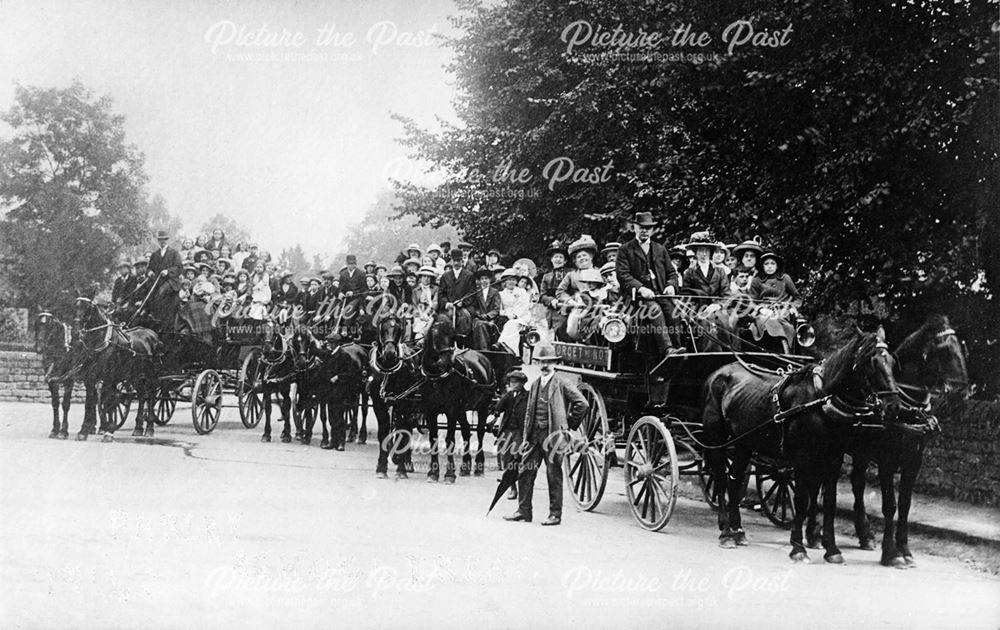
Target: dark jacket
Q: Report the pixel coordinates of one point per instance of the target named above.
(488, 310)
(451, 289)
(250, 262)
(310, 302)
(633, 269)
(171, 261)
(355, 283)
(565, 403)
(290, 296)
(513, 409)
(403, 293)
(124, 288)
(774, 287)
(716, 284)
(550, 282)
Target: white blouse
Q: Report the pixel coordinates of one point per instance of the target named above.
(515, 303)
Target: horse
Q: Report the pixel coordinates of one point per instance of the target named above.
(54, 342)
(806, 416)
(115, 355)
(931, 364)
(277, 377)
(455, 381)
(394, 382)
(330, 378)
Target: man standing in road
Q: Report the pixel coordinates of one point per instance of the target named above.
(554, 407)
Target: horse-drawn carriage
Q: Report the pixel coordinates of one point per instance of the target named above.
(646, 411)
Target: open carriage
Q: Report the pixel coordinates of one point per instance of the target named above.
(645, 412)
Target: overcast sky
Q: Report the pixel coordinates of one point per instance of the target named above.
(294, 149)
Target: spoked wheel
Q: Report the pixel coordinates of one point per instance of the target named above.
(651, 473)
(206, 401)
(776, 489)
(588, 461)
(707, 481)
(116, 403)
(248, 389)
(164, 406)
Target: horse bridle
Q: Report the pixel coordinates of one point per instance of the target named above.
(934, 345)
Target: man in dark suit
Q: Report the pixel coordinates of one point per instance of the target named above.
(125, 284)
(455, 293)
(645, 272)
(485, 311)
(351, 285)
(165, 269)
(554, 406)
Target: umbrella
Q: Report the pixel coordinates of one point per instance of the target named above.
(506, 483)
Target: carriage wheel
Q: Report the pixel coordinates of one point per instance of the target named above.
(587, 462)
(248, 391)
(116, 403)
(651, 473)
(776, 489)
(206, 401)
(164, 406)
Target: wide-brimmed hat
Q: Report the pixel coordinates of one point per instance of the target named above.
(377, 267)
(766, 255)
(509, 273)
(722, 247)
(644, 219)
(284, 274)
(591, 275)
(312, 279)
(124, 262)
(464, 245)
(747, 246)
(433, 247)
(545, 353)
(427, 271)
(203, 255)
(584, 243)
(517, 375)
(229, 278)
(677, 251)
(493, 252)
(702, 239)
(193, 268)
(370, 263)
(412, 261)
(395, 271)
(607, 268)
(228, 261)
(414, 247)
(555, 247)
(206, 266)
(141, 260)
(613, 246)
(482, 271)
(326, 273)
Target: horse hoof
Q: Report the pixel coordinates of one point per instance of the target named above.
(53, 435)
(432, 479)
(137, 432)
(867, 544)
(362, 441)
(401, 475)
(463, 473)
(896, 562)
(326, 447)
(740, 538)
(381, 475)
(324, 443)
(727, 543)
(81, 437)
(834, 558)
(286, 438)
(800, 557)
(910, 562)
(108, 437)
(265, 438)
(339, 447)
(149, 431)
(449, 480)
(63, 436)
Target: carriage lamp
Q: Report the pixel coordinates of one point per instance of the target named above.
(532, 337)
(805, 334)
(614, 329)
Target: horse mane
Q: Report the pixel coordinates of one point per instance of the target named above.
(914, 342)
(839, 366)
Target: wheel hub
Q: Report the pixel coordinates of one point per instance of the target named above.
(644, 470)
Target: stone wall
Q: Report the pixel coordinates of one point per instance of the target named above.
(21, 377)
(963, 462)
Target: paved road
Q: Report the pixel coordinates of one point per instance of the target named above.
(223, 531)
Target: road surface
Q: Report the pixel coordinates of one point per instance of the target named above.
(224, 531)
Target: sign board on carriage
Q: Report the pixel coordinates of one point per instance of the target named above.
(581, 354)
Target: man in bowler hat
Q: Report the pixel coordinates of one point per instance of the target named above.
(165, 269)
(554, 407)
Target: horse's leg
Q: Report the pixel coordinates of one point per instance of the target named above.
(310, 409)
(54, 396)
(463, 423)
(890, 555)
(430, 419)
(910, 464)
(147, 396)
(862, 525)
(830, 476)
(267, 415)
(482, 411)
(137, 431)
(285, 406)
(738, 482)
(351, 419)
(449, 446)
(814, 533)
(363, 435)
(66, 401)
(805, 492)
(384, 420)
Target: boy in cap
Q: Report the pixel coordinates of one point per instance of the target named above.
(509, 429)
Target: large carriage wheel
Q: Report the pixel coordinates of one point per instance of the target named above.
(776, 489)
(587, 462)
(206, 401)
(116, 403)
(164, 405)
(251, 399)
(651, 473)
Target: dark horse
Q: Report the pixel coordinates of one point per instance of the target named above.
(277, 377)
(393, 390)
(115, 355)
(931, 365)
(455, 381)
(330, 377)
(54, 342)
(805, 417)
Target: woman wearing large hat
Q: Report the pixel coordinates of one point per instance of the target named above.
(747, 253)
(515, 308)
(425, 296)
(771, 283)
(704, 278)
(583, 251)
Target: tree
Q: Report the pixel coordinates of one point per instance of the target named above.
(157, 217)
(235, 233)
(70, 189)
(381, 235)
(293, 259)
(865, 148)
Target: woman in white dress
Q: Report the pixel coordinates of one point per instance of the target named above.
(260, 293)
(424, 300)
(515, 305)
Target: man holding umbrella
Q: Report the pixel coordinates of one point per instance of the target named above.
(554, 407)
